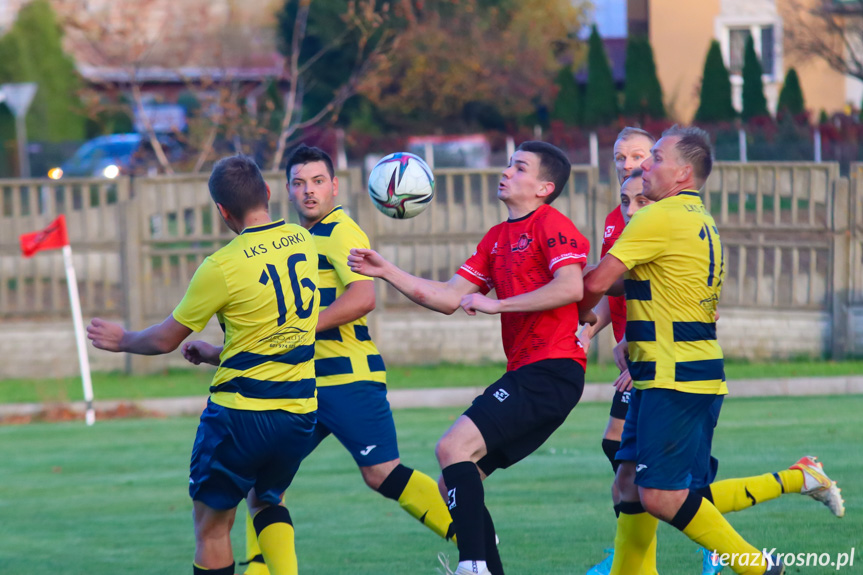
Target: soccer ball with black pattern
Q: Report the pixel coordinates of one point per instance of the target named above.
(401, 185)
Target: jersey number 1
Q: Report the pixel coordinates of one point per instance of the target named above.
(296, 287)
(705, 234)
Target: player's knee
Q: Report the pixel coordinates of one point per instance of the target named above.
(375, 475)
(444, 450)
(651, 501)
(208, 528)
(624, 482)
(660, 503)
(441, 486)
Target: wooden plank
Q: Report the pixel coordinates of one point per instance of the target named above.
(795, 274)
(777, 272)
(759, 198)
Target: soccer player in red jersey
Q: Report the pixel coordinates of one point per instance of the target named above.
(534, 262)
(631, 148)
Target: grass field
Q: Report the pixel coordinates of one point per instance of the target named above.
(189, 382)
(113, 498)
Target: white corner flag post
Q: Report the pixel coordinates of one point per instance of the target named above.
(51, 238)
(75, 304)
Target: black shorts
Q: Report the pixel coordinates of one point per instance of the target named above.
(520, 411)
(620, 404)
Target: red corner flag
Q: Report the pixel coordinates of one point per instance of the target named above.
(51, 238)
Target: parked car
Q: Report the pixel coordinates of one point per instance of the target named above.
(115, 155)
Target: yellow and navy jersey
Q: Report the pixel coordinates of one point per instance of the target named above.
(676, 264)
(343, 354)
(262, 286)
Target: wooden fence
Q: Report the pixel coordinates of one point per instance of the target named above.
(792, 235)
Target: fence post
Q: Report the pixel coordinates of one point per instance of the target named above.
(130, 246)
(816, 144)
(840, 284)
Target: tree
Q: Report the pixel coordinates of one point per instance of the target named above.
(333, 50)
(473, 55)
(791, 96)
(828, 31)
(642, 92)
(600, 101)
(754, 102)
(715, 105)
(568, 103)
(32, 52)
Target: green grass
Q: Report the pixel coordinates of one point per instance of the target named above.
(113, 498)
(189, 382)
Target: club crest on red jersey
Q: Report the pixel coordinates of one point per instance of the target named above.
(522, 244)
(609, 230)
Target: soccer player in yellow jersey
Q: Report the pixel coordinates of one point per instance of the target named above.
(351, 377)
(260, 417)
(673, 262)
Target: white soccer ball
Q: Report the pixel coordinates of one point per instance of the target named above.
(401, 185)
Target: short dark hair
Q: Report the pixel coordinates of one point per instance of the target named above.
(636, 173)
(693, 146)
(304, 154)
(630, 132)
(238, 185)
(554, 166)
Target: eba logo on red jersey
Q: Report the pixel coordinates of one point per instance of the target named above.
(562, 240)
(522, 244)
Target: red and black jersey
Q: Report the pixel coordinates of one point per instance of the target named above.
(614, 225)
(520, 256)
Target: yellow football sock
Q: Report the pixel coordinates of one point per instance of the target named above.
(276, 539)
(636, 532)
(712, 531)
(253, 550)
(422, 500)
(792, 480)
(737, 494)
(648, 566)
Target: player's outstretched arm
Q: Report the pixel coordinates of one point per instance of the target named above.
(444, 297)
(155, 340)
(198, 352)
(564, 288)
(598, 282)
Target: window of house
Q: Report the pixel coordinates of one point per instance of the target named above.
(737, 38)
(764, 40)
(767, 44)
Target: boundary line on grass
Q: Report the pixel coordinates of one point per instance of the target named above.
(462, 396)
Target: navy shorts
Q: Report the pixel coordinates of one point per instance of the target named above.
(237, 449)
(620, 404)
(520, 411)
(668, 435)
(359, 415)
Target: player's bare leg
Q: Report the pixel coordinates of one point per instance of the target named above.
(213, 553)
